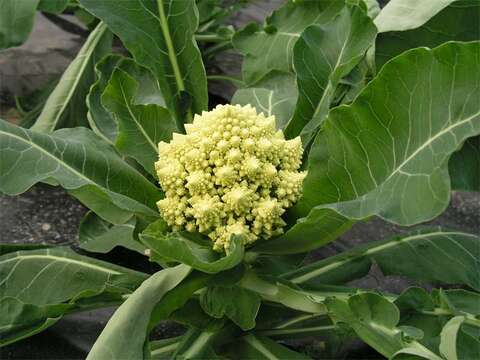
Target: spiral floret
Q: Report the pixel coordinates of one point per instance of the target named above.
(232, 173)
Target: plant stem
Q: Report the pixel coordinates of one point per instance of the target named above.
(302, 332)
(171, 56)
(210, 38)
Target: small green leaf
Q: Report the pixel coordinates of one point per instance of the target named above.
(387, 153)
(141, 127)
(374, 319)
(407, 14)
(322, 56)
(238, 304)
(271, 48)
(97, 235)
(275, 95)
(159, 35)
(131, 319)
(16, 21)
(80, 162)
(66, 104)
(195, 252)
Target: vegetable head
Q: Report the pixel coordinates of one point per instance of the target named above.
(232, 173)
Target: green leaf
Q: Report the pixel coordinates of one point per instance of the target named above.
(387, 153)
(133, 317)
(238, 304)
(464, 166)
(141, 127)
(455, 344)
(53, 6)
(159, 35)
(99, 119)
(81, 163)
(66, 104)
(16, 21)
(407, 14)
(56, 275)
(275, 95)
(20, 320)
(458, 21)
(374, 319)
(271, 47)
(194, 252)
(319, 228)
(322, 56)
(432, 255)
(97, 235)
(259, 347)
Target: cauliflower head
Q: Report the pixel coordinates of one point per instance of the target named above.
(232, 173)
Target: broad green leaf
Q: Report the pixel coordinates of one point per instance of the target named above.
(387, 153)
(163, 349)
(455, 344)
(99, 119)
(141, 127)
(97, 235)
(194, 252)
(319, 228)
(374, 319)
(238, 304)
(53, 6)
(432, 255)
(458, 21)
(259, 347)
(275, 95)
(159, 35)
(407, 14)
(16, 21)
(20, 320)
(196, 344)
(322, 56)
(125, 335)
(81, 163)
(56, 275)
(271, 47)
(464, 166)
(66, 104)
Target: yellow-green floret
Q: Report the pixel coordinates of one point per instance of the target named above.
(232, 173)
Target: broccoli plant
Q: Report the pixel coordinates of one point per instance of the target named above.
(346, 112)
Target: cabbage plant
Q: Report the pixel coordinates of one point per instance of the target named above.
(346, 112)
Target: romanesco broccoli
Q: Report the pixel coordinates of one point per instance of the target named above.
(232, 173)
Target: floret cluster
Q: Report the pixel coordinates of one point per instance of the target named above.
(232, 173)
